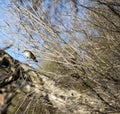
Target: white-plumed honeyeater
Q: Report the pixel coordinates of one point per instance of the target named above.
(30, 55)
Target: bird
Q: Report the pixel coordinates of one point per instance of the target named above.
(30, 55)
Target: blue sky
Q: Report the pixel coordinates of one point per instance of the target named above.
(3, 36)
(4, 16)
(6, 38)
